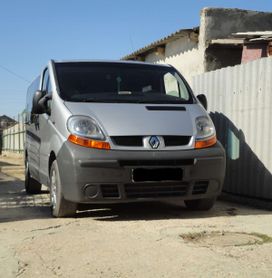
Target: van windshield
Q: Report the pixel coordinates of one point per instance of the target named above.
(121, 82)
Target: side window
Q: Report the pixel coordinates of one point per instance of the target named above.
(171, 85)
(174, 86)
(32, 118)
(46, 87)
(45, 80)
(49, 88)
(183, 91)
(49, 92)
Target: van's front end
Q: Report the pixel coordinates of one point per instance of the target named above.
(134, 132)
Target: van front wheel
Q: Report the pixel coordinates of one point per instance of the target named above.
(59, 206)
(31, 186)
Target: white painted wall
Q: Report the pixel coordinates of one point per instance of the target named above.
(189, 63)
(154, 57)
(184, 55)
(179, 46)
(14, 137)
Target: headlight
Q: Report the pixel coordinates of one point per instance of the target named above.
(204, 127)
(85, 127)
(205, 136)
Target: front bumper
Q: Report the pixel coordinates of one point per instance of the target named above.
(105, 176)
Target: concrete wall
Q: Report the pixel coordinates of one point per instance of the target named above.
(216, 23)
(220, 57)
(192, 57)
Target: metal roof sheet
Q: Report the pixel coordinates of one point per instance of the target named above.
(228, 41)
(253, 34)
(251, 37)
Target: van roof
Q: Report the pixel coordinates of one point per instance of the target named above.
(108, 61)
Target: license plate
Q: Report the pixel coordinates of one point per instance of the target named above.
(156, 175)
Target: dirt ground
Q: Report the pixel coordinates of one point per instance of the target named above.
(135, 240)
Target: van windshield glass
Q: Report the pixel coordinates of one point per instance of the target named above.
(121, 82)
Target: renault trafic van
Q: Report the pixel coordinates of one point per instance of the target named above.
(108, 132)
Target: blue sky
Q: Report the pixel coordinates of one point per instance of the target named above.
(32, 32)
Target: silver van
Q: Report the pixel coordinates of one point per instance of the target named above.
(108, 132)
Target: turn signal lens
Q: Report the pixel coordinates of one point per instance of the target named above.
(88, 143)
(205, 143)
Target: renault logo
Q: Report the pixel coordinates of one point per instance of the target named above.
(154, 142)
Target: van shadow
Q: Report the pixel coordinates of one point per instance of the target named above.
(16, 205)
(246, 175)
(4, 163)
(161, 211)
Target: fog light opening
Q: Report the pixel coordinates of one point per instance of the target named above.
(91, 190)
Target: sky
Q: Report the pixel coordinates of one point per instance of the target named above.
(33, 32)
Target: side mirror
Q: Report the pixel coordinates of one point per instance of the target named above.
(37, 108)
(43, 102)
(203, 100)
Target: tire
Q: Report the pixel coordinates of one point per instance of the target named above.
(200, 204)
(31, 186)
(59, 206)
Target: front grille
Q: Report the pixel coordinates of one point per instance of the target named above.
(155, 190)
(109, 190)
(137, 141)
(171, 141)
(200, 187)
(128, 141)
(166, 162)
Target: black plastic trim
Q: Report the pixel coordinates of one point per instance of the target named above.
(33, 136)
(165, 108)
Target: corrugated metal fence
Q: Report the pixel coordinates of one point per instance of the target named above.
(13, 138)
(240, 103)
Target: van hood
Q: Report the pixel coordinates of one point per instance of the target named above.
(124, 119)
